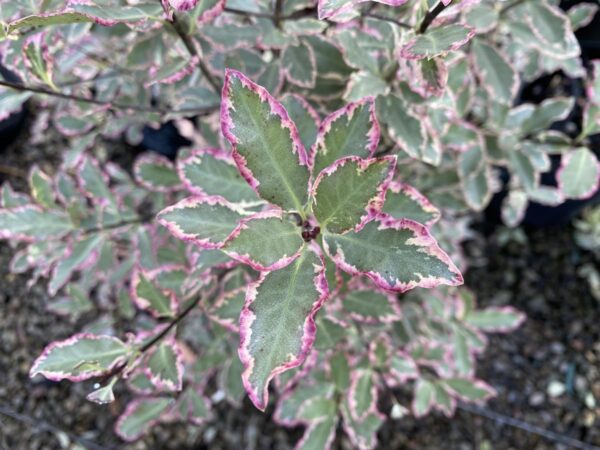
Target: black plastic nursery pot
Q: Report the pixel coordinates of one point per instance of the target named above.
(11, 126)
(164, 140)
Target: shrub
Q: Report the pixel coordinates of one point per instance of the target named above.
(291, 234)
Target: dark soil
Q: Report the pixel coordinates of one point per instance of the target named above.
(559, 342)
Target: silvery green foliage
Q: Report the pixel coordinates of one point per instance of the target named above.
(378, 131)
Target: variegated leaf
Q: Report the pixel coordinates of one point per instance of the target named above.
(42, 189)
(496, 74)
(469, 390)
(404, 127)
(405, 202)
(205, 221)
(164, 366)
(148, 296)
(514, 207)
(437, 41)
(319, 434)
(397, 254)
(140, 416)
(212, 172)
(265, 241)
(579, 174)
(300, 65)
(495, 319)
(424, 397)
(80, 357)
(31, 223)
(307, 120)
(350, 131)
(277, 327)
(347, 190)
(363, 433)
(362, 395)
(192, 407)
(80, 254)
(266, 144)
(552, 27)
(369, 306)
(156, 173)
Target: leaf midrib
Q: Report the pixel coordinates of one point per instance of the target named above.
(273, 161)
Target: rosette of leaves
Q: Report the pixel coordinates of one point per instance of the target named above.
(326, 203)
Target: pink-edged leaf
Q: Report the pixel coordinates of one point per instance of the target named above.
(345, 192)
(437, 41)
(265, 241)
(371, 307)
(30, 223)
(204, 221)
(335, 8)
(363, 433)
(397, 254)
(209, 10)
(156, 173)
(140, 415)
(405, 202)
(579, 174)
(300, 65)
(350, 131)
(210, 172)
(148, 296)
(79, 256)
(42, 188)
(402, 368)
(164, 366)
(319, 434)
(305, 117)
(183, 5)
(424, 397)
(9, 198)
(291, 401)
(192, 407)
(94, 183)
(80, 357)
(266, 145)
(362, 395)
(469, 390)
(495, 319)
(277, 324)
(226, 308)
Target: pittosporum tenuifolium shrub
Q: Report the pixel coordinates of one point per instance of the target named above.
(338, 149)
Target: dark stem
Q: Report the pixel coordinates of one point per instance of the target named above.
(108, 104)
(430, 17)
(277, 13)
(188, 309)
(193, 51)
(309, 12)
(387, 19)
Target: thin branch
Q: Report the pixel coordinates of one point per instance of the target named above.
(308, 12)
(13, 171)
(430, 16)
(277, 13)
(527, 427)
(387, 19)
(108, 104)
(193, 51)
